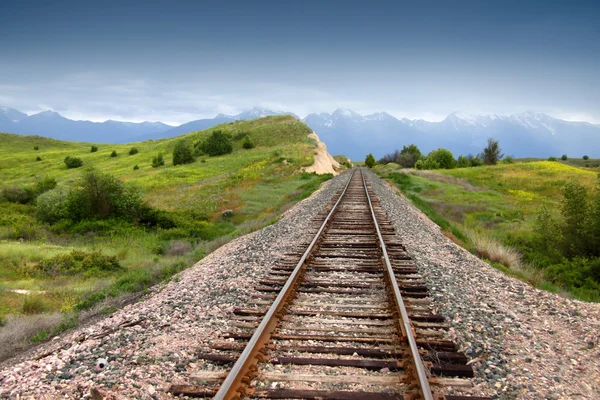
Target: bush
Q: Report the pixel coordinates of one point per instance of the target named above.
(36, 147)
(585, 157)
(103, 195)
(183, 153)
(508, 160)
(44, 185)
(248, 143)
(133, 151)
(94, 149)
(370, 160)
(218, 143)
(34, 304)
(136, 167)
(38, 158)
(78, 263)
(564, 157)
(552, 158)
(158, 161)
(440, 159)
(475, 161)
(52, 205)
(420, 165)
(73, 162)
(463, 162)
(18, 194)
(114, 153)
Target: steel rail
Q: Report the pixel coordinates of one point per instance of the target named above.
(405, 325)
(229, 389)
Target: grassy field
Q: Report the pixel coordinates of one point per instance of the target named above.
(255, 184)
(495, 204)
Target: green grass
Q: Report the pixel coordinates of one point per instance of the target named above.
(256, 184)
(497, 205)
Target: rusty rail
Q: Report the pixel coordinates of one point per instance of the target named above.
(405, 324)
(230, 389)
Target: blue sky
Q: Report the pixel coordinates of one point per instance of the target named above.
(176, 61)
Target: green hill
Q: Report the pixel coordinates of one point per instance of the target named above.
(493, 211)
(207, 203)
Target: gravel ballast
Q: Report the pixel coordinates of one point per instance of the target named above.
(526, 343)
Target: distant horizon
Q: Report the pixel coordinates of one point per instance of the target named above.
(202, 116)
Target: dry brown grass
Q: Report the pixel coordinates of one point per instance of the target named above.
(490, 249)
(14, 336)
(178, 248)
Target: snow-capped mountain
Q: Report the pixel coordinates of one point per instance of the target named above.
(52, 124)
(347, 132)
(521, 135)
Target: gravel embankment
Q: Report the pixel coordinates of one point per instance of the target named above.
(530, 344)
(187, 313)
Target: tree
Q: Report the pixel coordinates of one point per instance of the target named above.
(370, 160)
(474, 160)
(248, 143)
(183, 153)
(576, 211)
(586, 157)
(492, 153)
(564, 157)
(133, 150)
(114, 153)
(409, 156)
(94, 149)
(218, 143)
(440, 159)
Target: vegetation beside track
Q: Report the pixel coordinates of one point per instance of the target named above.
(187, 211)
(494, 212)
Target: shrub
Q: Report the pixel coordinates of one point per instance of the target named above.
(218, 143)
(420, 165)
(36, 147)
(475, 161)
(73, 162)
(463, 162)
(133, 151)
(564, 157)
(248, 143)
(103, 195)
(575, 209)
(79, 263)
(94, 149)
(47, 183)
(492, 152)
(52, 205)
(18, 194)
(34, 304)
(552, 158)
(38, 158)
(440, 159)
(370, 160)
(183, 153)
(586, 157)
(158, 161)
(508, 160)
(136, 167)
(114, 153)
(178, 248)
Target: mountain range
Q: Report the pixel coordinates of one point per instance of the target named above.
(347, 132)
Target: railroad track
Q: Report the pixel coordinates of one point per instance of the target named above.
(350, 320)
